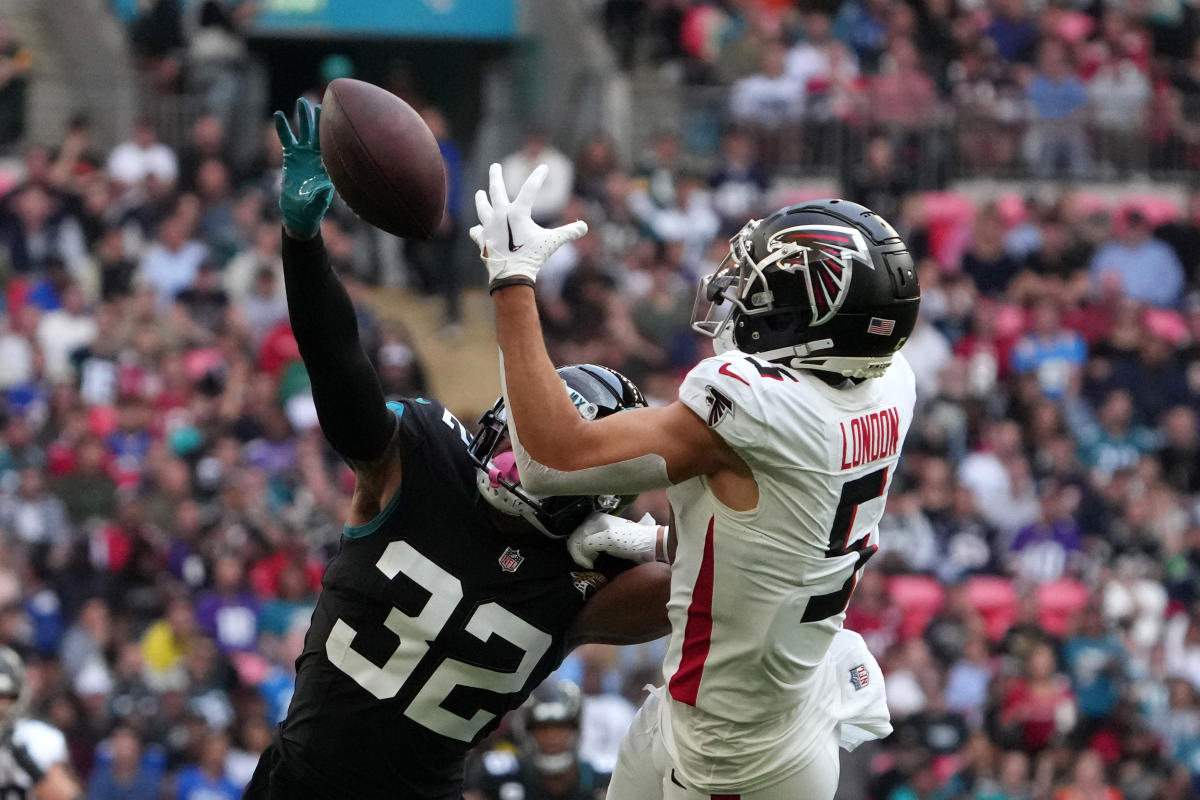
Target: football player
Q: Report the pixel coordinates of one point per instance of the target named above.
(33, 755)
(777, 459)
(548, 766)
(452, 595)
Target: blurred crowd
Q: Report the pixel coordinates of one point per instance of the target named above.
(973, 87)
(167, 502)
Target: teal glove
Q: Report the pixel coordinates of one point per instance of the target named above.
(307, 190)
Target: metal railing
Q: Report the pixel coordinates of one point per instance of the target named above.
(956, 144)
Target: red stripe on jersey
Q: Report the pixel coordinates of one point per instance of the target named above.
(725, 797)
(724, 370)
(697, 634)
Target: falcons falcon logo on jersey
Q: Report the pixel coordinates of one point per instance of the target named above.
(825, 254)
(719, 406)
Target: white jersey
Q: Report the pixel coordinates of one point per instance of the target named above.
(757, 596)
(44, 745)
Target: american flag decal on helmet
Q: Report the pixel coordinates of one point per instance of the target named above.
(881, 327)
(859, 677)
(825, 255)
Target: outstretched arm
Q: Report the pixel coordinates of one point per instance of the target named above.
(350, 403)
(571, 455)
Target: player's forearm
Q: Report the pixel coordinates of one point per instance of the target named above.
(346, 391)
(630, 610)
(537, 405)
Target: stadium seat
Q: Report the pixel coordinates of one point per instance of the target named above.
(996, 601)
(919, 597)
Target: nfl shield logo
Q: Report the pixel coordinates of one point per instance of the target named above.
(511, 559)
(859, 677)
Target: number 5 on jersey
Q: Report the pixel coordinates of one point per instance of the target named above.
(854, 493)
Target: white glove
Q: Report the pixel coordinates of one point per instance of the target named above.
(512, 245)
(620, 538)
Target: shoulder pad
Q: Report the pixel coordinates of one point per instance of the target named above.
(500, 762)
(722, 391)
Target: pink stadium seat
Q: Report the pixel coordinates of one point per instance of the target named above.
(996, 601)
(1058, 602)
(918, 597)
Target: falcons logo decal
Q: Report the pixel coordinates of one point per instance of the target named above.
(825, 254)
(719, 406)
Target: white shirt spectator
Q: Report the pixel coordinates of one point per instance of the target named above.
(16, 360)
(767, 102)
(170, 271)
(555, 192)
(130, 163)
(1118, 95)
(61, 333)
(606, 718)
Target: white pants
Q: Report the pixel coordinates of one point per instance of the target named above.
(644, 771)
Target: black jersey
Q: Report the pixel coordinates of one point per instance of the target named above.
(431, 624)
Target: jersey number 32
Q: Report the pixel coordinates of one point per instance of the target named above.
(416, 633)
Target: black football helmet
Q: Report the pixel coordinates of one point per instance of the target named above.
(824, 285)
(555, 702)
(596, 392)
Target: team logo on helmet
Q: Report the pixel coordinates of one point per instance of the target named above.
(511, 559)
(825, 255)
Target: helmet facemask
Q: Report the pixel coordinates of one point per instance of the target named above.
(499, 484)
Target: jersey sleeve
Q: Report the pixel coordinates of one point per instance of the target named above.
(721, 392)
(45, 744)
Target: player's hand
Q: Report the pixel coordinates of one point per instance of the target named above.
(620, 538)
(307, 190)
(512, 245)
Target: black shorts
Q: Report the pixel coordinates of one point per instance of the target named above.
(272, 780)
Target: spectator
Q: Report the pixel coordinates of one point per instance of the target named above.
(987, 261)
(1114, 443)
(1050, 547)
(739, 184)
(1057, 143)
(32, 515)
(901, 95)
(556, 191)
(1145, 268)
(1119, 96)
(1095, 661)
(770, 103)
(141, 157)
(229, 613)
(1039, 707)
(879, 181)
(206, 779)
(15, 62)
(1051, 352)
(171, 264)
(1088, 781)
(863, 24)
(1012, 31)
(123, 771)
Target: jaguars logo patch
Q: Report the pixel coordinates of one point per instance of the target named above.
(588, 583)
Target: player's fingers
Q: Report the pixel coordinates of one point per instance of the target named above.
(476, 234)
(303, 119)
(316, 126)
(496, 188)
(284, 130)
(572, 231)
(482, 207)
(533, 185)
